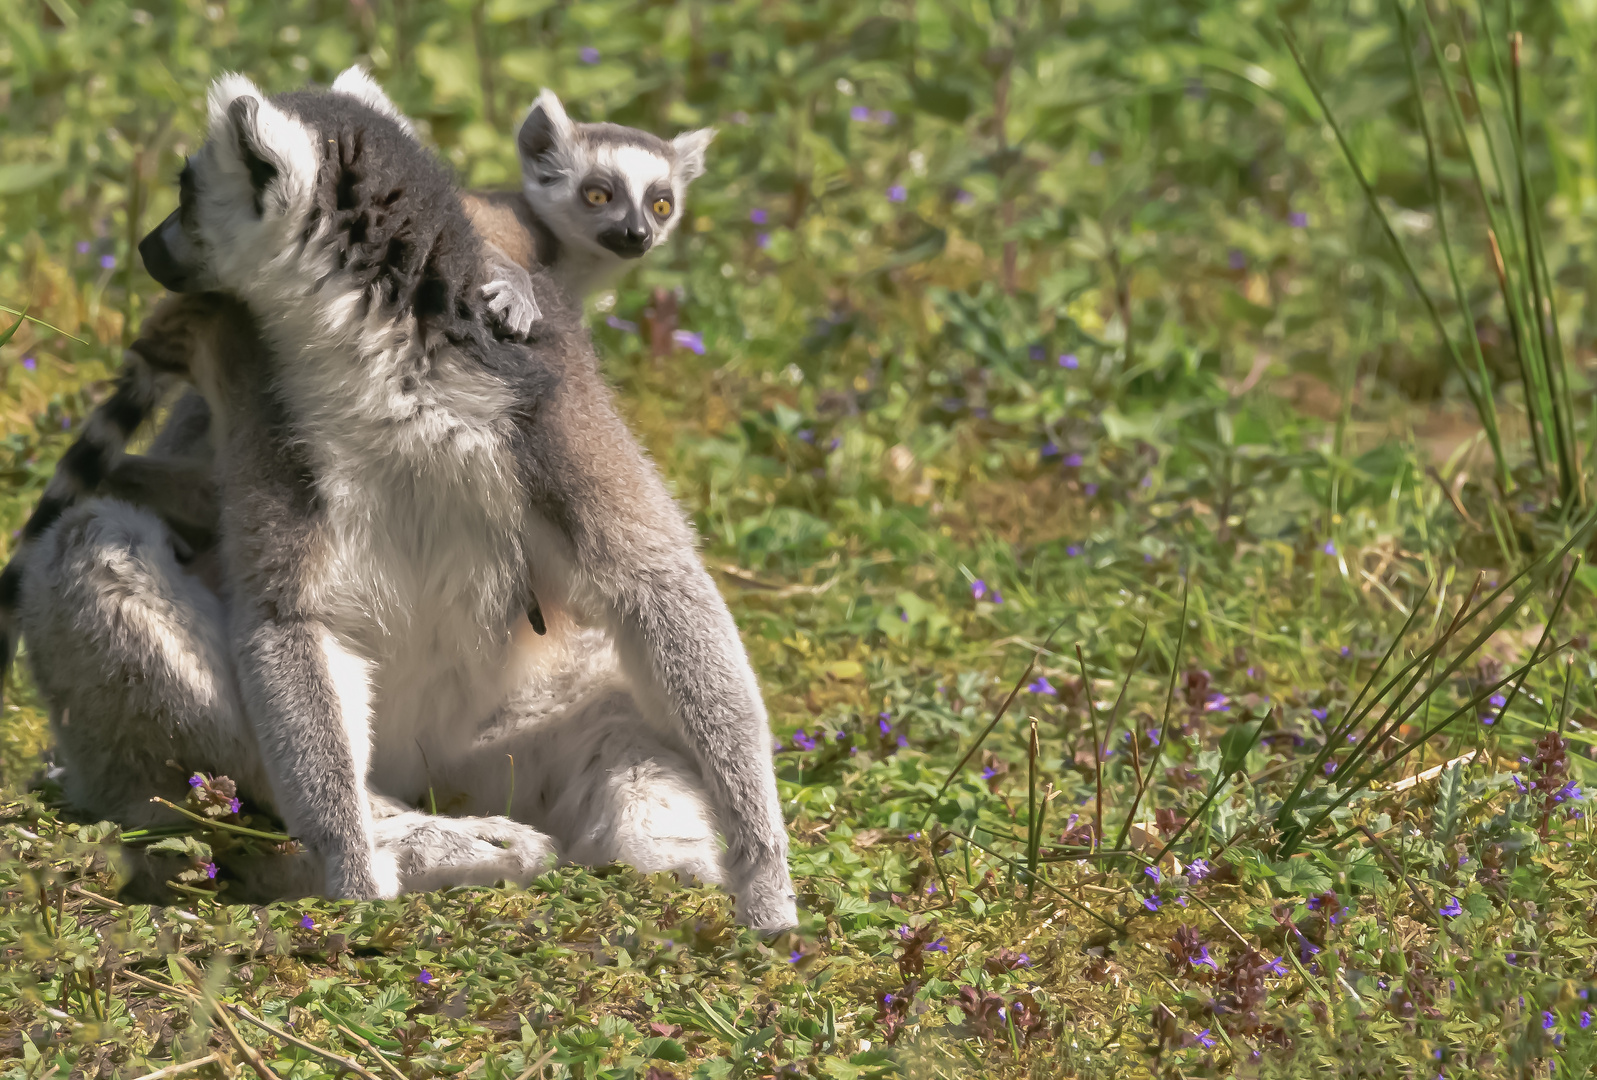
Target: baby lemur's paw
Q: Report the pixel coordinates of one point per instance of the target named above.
(510, 300)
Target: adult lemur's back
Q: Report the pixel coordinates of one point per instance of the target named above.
(398, 484)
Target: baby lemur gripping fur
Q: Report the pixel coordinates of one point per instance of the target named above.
(397, 482)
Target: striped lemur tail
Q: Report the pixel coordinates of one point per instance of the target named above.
(147, 373)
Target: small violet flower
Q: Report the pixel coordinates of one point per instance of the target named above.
(1151, 903)
(1236, 260)
(424, 977)
(897, 194)
(307, 923)
(688, 339)
(757, 216)
(588, 55)
(30, 363)
(1206, 1039)
(1452, 908)
(1069, 361)
(616, 322)
(1041, 686)
(803, 741)
(83, 247)
(107, 262)
(1299, 220)
(196, 780)
(859, 113)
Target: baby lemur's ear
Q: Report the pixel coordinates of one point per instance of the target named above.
(545, 139)
(355, 82)
(689, 148)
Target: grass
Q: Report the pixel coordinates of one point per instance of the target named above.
(1165, 684)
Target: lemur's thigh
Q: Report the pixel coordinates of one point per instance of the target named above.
(593, 772)
(130, 652)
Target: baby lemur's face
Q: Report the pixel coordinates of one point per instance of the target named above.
(605, 190)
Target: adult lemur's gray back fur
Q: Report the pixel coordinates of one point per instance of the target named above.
(398, 483)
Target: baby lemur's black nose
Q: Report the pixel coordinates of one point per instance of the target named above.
(627, 241)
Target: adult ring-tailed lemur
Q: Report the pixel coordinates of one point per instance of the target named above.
(399, 487)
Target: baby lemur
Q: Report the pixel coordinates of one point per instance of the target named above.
(398, 482)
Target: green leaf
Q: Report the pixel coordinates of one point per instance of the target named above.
(943, 99)
(26, 175)
(1299, 877)
(1449, 803)
(11, 331)
(1236, 743)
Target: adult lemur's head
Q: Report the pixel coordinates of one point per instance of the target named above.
(318, 202)
(605, 190)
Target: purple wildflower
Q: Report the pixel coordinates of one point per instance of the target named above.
(1206, 1039)
(963, 197)
(588, 54)
(1319, 714)
(1570, 792)
(1497, 701)
(1299, 220)
(807, 435)
(1519, 784)
(1152, 872)
(30, 363)
(1330, 768)
(757, 216)
(196, 780)
(903, 741)
(1548, 1020)
(1036, 352)
(616, 322)
(896, 193)
(1279, 967)
(1585, 1020)
(1068, 360)
(1073, 461)
(1073, 550)
(1151, 903)
(1452, 908)
(1203, 957)
(307, 923)
(1236, 260)
(885, 117)
(802, 740)
(859, 113)
(66, 422)
(978, 588)
(1329, 548)
(1050, 449)
(83, 247)
(795, 956)
(234, 806)
(1041, 686)
(1198, 869)
(107, 262)
(688, 339)
(762, 240)
(941, 944)
(883, 723)
(424, 977)
(1346, 651)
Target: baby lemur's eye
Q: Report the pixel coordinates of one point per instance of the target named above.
(662, 207)
(597, 196)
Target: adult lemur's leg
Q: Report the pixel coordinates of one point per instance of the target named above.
(131, 653)
(635, 567)
(592, 770)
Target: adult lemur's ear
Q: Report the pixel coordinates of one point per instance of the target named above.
(252, 136)
(355, 82)
(545, 139)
